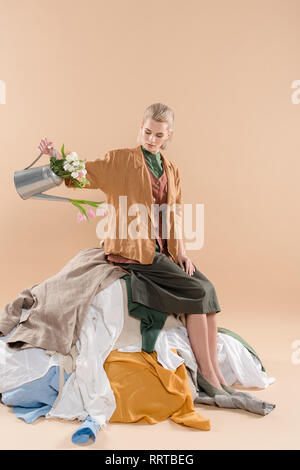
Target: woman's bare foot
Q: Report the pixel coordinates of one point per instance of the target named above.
(219, 376)
(211, 377)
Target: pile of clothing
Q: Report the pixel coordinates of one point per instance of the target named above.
(70, 348)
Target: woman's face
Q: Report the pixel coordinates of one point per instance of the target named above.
(154, 134)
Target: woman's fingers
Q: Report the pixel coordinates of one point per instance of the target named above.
(186, 265)
(190, 268)
(45, 145)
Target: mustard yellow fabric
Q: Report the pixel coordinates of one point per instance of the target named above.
(146, 392)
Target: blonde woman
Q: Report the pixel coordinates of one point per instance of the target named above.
(163, 277)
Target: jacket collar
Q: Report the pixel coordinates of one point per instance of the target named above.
(140, 160)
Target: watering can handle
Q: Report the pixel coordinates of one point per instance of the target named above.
(37, 160)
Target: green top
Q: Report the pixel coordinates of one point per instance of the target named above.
(154, 162)
(155, 165)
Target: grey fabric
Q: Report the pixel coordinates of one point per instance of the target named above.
(242, 400)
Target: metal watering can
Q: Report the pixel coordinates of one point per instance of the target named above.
(32, 183)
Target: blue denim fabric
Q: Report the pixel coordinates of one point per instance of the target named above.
(34, 399)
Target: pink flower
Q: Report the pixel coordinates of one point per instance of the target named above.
(101, 211)
(81, 217)
(91, 213)
(80, 174)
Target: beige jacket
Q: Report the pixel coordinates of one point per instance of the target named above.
(58, 306)
(123, 172)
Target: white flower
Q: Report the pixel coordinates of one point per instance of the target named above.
(68, 167)
(74, 174)
(72, 156)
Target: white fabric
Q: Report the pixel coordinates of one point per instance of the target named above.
(88, 391)
(239, 365)
(18, 367)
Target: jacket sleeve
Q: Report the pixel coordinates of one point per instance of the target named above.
(11, 314)
(99, 173)
(178, 187)
(178, 202)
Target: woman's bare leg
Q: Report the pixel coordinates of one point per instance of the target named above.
(197, 329)
(212, 333)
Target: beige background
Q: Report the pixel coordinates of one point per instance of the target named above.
(82, 73)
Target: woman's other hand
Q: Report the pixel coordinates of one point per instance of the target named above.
(46, 147)
(189, 267)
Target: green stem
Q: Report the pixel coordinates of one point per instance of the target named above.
(80, 208)
(90, 203)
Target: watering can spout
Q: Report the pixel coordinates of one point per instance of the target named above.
(32, 182)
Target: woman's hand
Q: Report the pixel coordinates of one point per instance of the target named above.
(189, 267)
(46, 147)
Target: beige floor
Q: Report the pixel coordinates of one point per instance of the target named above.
(270, 334)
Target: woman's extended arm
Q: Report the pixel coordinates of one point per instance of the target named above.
(100, 172)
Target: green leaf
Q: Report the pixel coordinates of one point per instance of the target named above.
(76, 183)
(93, 204)
(62, 150)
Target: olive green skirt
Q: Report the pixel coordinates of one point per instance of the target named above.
(165, 286)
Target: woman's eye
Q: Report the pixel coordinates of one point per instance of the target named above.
(158, 136)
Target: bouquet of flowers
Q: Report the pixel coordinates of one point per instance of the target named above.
(71, 167)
